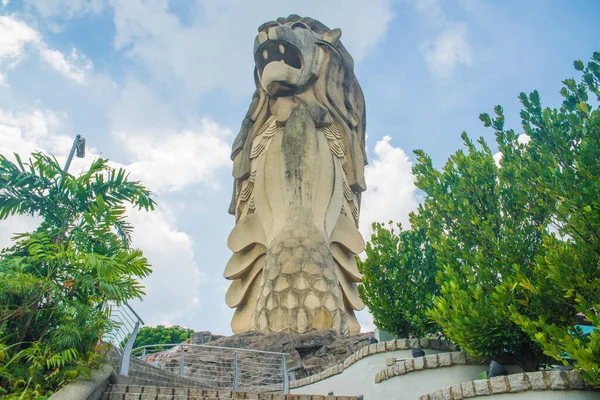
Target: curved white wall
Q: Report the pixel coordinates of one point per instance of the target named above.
(359, 378)
(414, 384)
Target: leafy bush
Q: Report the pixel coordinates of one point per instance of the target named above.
(518, 243)
(398, 282)
(566, 144)
(484, 221)
(55, 280)
(160, 335)
(514, 239)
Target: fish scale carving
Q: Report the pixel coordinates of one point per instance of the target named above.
(300, 291)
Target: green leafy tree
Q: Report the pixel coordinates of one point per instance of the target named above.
(566, 279)
(55, 280)
(518, 243)
(398, 282)
(485, 222)
(161, 335)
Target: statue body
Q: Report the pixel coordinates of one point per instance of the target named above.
(298, 175)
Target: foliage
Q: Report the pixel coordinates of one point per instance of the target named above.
(484, 222)
(161, 335)
(518, 243)
(399, 279)
(55, 280)
(566, 280)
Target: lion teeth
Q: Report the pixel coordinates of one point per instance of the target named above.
(265, 54)
(281, 48)
(262, 37)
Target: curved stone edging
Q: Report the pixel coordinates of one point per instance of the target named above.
(392, 345)
(526, 381)
(402, 367)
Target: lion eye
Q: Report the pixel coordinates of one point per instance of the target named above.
(299, 25)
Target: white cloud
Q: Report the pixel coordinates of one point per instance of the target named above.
(26, 132)
(448, 50)
(67, 66)
(165, 153)
(213, 47)
(391, 191)
(524, 138)
(365, 318)
(37, 130)
(14, 35)
(497, 158)
(390, 195)
(172, 290)
(179, 159)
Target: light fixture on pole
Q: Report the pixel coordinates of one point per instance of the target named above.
(79, 147)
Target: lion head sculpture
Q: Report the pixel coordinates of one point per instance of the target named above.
(298, 164)
(302, 58)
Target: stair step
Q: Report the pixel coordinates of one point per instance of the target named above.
(179, 391)
(139, 392)
(149, 396)
(149, 392)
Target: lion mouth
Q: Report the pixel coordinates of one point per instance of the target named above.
(278, 51)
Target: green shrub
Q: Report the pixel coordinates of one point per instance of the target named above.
(55, 280)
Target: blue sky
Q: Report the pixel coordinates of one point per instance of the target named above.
(160, 87)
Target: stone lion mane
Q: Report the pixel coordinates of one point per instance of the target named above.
(340, 95)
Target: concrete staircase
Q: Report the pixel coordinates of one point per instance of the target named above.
(137, 392)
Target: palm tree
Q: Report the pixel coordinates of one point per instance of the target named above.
(55, 280)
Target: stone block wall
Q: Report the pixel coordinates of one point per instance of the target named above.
(441, 360)
(516, 383)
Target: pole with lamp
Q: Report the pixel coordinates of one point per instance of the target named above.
(79, 147)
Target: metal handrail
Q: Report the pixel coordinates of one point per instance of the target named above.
(211, 347)
(128, 325)
(134, 313)
(226, 369)
(126, 357)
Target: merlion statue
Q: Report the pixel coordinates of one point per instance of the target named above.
(298, 167)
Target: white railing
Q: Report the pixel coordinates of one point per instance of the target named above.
(220, 367)
(126, 325)
(125, 320)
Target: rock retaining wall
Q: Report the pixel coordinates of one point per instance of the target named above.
(141, 373)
